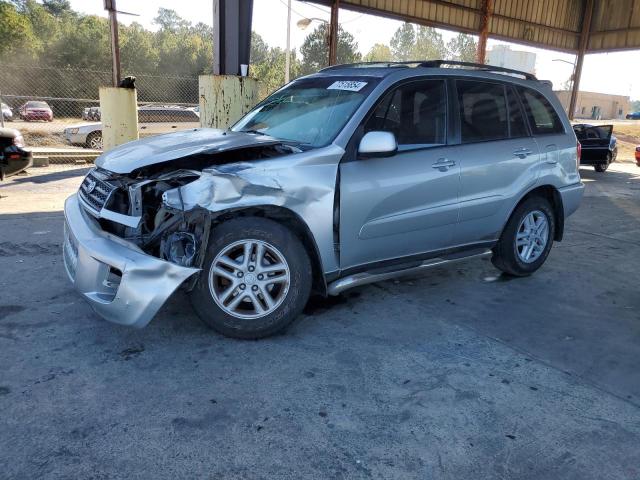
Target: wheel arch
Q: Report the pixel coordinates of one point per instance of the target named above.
(552, 194)
(293, 222)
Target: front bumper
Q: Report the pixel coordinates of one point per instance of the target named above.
(121, 283)
(75, 138)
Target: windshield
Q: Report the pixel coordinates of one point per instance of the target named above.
(309, 111)
(37, 105)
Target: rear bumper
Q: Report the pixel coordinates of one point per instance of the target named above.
(121, 283)
(571, 197)
(11, 166)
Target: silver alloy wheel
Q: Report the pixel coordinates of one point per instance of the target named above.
(95, 142)
(249, 279)
(532, 236)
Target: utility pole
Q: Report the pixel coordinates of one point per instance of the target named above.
(287, 58)
(110, 6)
(1, 114)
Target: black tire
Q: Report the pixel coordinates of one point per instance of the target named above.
(601, 167)
(505, 254)
(288, 244)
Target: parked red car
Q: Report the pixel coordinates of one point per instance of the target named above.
(638, 156)
(35, 110)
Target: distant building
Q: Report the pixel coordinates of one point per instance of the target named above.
(596, 106)
(503, 56)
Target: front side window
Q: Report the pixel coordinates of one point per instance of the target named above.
(309, 111)
(483, 111)
(542, 117)
(416, 113)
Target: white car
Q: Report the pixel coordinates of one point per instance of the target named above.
(153, 120)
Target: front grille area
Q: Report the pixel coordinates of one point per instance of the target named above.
(94, 191)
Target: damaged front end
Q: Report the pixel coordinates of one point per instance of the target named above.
(132, 238)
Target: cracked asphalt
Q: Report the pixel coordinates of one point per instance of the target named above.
(461, 373)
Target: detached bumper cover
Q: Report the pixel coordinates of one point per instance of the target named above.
(121, 283)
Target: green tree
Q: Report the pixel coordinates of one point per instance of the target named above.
(462, 48)
(315, 49)
(378, 53)
(429, 45)
(403, 42)
(16, 33)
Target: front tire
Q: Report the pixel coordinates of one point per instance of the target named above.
(527, 238)
(255, 281)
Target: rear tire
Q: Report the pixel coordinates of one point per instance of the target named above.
(601, 167)
(234, 294)
(526, 239)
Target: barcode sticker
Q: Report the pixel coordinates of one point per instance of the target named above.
(349, 85)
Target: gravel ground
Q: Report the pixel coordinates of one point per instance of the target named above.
(459, 374)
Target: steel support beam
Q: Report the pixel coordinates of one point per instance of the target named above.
(231, 35)
(487, 9)
(333, 33)
(587, 17)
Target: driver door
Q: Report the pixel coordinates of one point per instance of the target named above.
(407, 203)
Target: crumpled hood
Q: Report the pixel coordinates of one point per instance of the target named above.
(163, 148)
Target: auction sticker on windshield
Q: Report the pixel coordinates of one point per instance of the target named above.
(349, 85)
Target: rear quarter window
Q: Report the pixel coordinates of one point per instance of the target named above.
(543, 118)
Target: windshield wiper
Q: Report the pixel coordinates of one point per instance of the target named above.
(257, 132)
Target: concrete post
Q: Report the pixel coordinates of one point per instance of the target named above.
(225, 98)
(119, 116)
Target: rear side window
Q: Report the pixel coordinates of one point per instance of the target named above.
(543, 119)
(483, 111)
(416, 113)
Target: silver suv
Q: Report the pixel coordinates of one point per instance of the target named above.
(349, 176)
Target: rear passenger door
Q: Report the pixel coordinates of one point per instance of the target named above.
(497, 156)
(557, 145)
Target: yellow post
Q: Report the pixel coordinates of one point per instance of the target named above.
(119, 116)
(225, 98)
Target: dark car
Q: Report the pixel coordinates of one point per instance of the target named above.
(13, 158)
(94, 114)
(633, 116)
(599, 145)
(36, 110)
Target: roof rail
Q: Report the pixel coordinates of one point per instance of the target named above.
(372, 64)
(434, 64)
(478, 66)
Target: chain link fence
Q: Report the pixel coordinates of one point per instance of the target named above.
(55, 107)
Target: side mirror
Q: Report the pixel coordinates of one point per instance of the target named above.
(378, 144)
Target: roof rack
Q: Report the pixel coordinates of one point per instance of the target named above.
(477, 66)
(435, 64)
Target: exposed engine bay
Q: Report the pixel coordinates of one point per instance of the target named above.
(146, 207)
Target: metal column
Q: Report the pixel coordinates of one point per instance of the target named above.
(333, 33)
(587, 16)
(487, 9)
(231, 35)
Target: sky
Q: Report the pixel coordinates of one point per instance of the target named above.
(614, 73)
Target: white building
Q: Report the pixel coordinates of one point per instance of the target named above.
(503, 56)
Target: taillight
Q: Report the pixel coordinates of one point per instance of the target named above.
(578, 154)
(637, 154)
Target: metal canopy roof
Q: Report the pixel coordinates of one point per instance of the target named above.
(552, 24)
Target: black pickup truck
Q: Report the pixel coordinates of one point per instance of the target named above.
(599, 145)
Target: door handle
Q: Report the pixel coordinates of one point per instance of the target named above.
(443, 164)
(522, 152)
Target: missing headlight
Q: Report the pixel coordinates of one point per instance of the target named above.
(179, 248)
